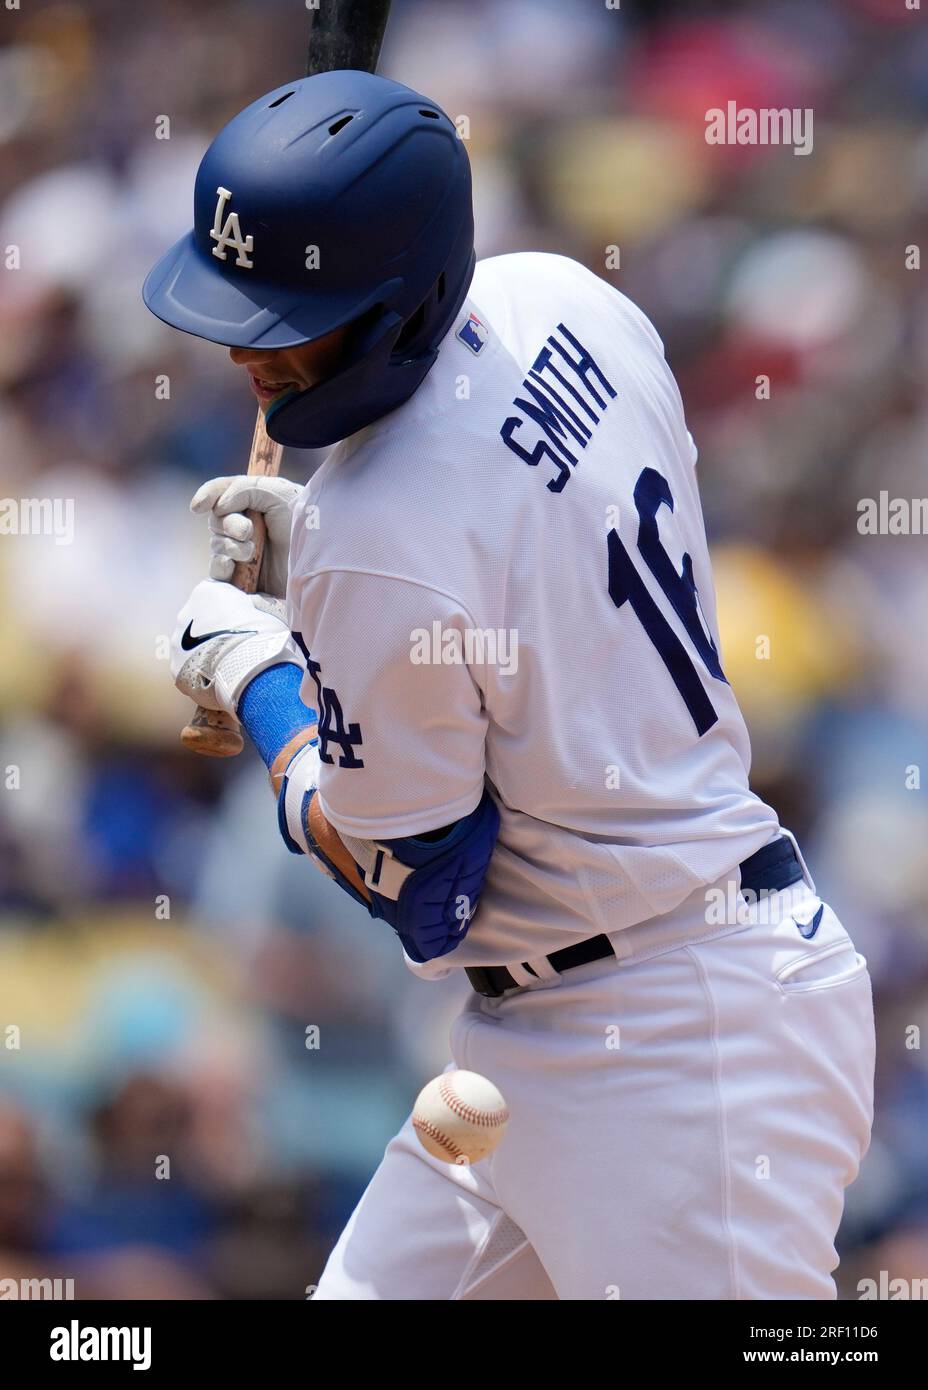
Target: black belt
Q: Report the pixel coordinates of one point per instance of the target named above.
(774, 867)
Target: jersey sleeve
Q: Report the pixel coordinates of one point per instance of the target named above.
(401, 717)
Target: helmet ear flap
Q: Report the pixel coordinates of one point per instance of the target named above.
(362, 389)
(366, 331)
(410, 331)
(369, 332)
(407, 342)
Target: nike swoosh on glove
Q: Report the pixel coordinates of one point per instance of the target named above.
(223, 639)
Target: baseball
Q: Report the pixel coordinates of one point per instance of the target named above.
(460, 1117)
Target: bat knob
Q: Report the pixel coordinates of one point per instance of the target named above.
(213, 733)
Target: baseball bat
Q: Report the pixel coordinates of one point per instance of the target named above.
(342, 34)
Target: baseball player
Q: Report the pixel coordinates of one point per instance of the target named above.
(484, 673)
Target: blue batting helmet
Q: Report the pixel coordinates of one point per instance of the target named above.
(338, 199)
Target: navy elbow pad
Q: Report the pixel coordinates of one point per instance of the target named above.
(438, 898)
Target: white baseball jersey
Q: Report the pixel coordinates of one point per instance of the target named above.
(506, 582)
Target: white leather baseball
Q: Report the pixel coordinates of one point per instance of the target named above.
(459, 1117)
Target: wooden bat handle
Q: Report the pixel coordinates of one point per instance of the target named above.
(213, 732)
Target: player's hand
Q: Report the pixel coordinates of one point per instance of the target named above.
(223, 639)
(225, 500)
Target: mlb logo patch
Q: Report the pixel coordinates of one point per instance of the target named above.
(473, 333)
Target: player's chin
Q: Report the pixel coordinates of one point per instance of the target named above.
(267, 402)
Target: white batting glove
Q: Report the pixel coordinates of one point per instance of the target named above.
(223, 639)
(231, 532)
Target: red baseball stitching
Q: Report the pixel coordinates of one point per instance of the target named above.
(442, 1140)
(468, 1112)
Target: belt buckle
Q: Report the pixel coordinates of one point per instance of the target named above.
(481, 981)
(490, 981)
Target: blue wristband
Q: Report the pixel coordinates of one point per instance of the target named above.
(271, 710)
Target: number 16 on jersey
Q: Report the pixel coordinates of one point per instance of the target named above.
(652, 491)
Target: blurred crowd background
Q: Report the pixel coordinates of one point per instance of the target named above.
(161, 955)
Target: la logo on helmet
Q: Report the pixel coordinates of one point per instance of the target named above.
(230, 233)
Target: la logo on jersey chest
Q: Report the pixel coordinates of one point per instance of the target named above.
(229, 233)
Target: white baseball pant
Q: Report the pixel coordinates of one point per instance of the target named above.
(683, 1125)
